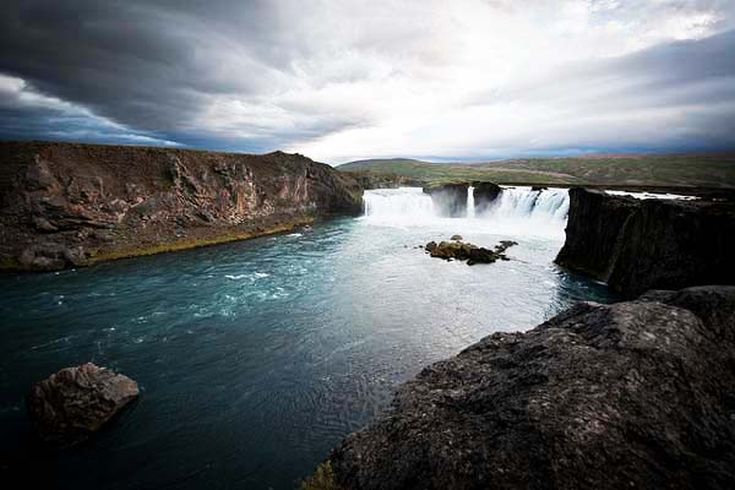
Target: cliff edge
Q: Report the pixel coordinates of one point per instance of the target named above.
(635, 245)
(65, 205)
(638, 394)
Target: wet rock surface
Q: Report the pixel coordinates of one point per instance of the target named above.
(72, 404)
(485, 194)
(450, 200)
(456, 249)
(65, 205)
(635, 245)
(637, 394)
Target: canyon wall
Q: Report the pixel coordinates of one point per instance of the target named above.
(635, 245)
(65, 205)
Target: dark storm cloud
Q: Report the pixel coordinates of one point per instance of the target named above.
(152, 66)
(375, 78)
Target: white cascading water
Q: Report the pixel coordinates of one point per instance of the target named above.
(402, 206)
(471, 202)
(516, 211)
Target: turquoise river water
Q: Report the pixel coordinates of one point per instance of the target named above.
(256, 358)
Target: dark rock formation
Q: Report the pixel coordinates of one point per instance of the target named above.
(459, 250)
(75, 402)
(65, 205)
(485, 194)
(450, 200)
(631, 395)
(635, 245)
(457, 238)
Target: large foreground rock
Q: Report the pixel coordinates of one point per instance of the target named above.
(638, 394)
(635, 245)
(70, 405)
(66, 205)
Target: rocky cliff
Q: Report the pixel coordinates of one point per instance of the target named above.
(637, 394)
(67, 205)
(450, 200)
(485, 194)
(635, 245)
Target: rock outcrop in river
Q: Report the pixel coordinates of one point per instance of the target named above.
(639, 394)
(485, 194)
(450, 200)
(72, 404)
(635, 245)
(66, 205)
(456, 249)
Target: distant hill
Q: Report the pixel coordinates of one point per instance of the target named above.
(691, 170)
(384, 164)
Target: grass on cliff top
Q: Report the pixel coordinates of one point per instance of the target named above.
(707, 170)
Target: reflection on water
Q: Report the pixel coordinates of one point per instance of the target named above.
(255, 358)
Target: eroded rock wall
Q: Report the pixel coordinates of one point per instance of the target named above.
(68, 204)
(635, 245)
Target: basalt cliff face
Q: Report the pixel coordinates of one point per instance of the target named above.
(450, 200)
(635, 245)
(68, 205)
(637, 394)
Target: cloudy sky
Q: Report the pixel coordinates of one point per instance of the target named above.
(346, 79)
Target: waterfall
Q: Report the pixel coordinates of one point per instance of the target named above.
(522, 202)
(404, 205)
(516, 211)
(470, 202)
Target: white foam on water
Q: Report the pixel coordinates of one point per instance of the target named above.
(653, 195)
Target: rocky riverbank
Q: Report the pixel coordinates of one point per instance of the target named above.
(66, 205)
(635, 245)
(636, 394)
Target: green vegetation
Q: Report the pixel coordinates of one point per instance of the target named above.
(706, 170)
(322, 479)
(186, 244)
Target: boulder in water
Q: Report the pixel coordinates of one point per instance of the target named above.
(473, 254)
(457, 238)
(70, 405)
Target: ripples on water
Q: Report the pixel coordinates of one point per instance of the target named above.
(256, 358)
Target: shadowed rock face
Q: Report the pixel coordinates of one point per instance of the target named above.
(631, 395)
(635, 245)
(485, 194)
(66, 204)
(72, 404)
(450, 200)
